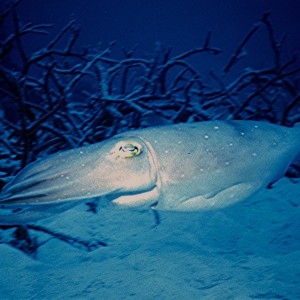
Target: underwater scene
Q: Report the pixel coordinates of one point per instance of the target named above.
(149, 149)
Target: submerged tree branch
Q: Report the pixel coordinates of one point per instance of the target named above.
(62, 97)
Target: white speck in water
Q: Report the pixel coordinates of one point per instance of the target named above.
(83, 165)
(88, 193)
(274, 144)
(166, 151)
(67, 177)
(242, 133)
(254, 154)
(255, 126)
(155, 142)
(227, 163)
(207, 150)
(180, 142)
(201, 169)
(230, 144)
(182, 175)
(81, 152)
(62, 175)
(206, 136)
(216, 127)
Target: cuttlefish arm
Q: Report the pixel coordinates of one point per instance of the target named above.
(113, 168)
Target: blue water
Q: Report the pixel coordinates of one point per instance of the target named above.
(110, 80)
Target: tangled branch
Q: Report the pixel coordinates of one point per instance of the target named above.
(58, 97)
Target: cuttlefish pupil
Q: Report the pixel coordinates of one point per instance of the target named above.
(130, 149)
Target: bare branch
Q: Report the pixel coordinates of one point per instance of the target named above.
(235, 57)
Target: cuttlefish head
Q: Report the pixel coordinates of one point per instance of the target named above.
(118, 169)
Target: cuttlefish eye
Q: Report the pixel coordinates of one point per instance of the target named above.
(128, 149)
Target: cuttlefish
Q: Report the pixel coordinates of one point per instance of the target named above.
(184, 167)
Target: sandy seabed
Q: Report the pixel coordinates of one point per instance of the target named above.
(250, 250)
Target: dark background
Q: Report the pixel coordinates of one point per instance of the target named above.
(182, 24)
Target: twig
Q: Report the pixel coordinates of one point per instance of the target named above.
(235, 57)
(288, 109)
(205, 48)
(276, 50)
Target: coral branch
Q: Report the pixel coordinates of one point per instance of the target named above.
(62, 97)
(236, 55)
